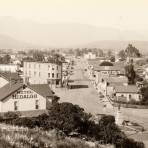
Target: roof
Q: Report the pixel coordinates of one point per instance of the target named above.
(107, 68)
(10, 88)
(10, 76)
(44, 62)
(120, 63)
(106, 63)
(126, 89)
(42, 89)
(94, 62)
(117, 79)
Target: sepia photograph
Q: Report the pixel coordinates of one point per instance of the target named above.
(73, 73)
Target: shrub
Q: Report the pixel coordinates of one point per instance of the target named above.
(12, 115)
(68, 118)
(26, 122)
(106, 63)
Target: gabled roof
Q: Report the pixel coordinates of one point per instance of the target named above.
(107, 68)
(126, 89)
(94, 62)
(42, 89)
(10, 76)
(121, 79)
(10, 88)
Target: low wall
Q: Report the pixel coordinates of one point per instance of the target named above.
(125, 105)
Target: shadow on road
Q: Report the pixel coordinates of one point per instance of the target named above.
(70, 81)
(77, 86)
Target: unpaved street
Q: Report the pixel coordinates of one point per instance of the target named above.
(90, 101)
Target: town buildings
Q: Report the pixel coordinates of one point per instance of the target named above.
(127, 93)
(9, 67)
(7, 77)
(21, 97)
(110, 81)
(43, 73)
(89, 55)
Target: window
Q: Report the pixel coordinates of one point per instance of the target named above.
(130, 96)
(57, 82)
(39, 66)
(36, 104)
(57, 67)
(52, 75)
(52, 68)
(122, 95)
(57, 75)
(15, 105)
(39, 74)
(49, 75)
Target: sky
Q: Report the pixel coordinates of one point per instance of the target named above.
(122, 14)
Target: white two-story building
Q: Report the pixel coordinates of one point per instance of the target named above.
(43, 73)
(20, 97)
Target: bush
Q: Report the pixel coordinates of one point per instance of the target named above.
(128, 143)
(106, 63)
(12, 115)
(68, 118)
(26, 122)
(71, 144)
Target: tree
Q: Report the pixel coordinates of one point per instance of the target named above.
(122, 55)
(130, 73)
(66, 117)
(112, 58)
(78, 52)
(100, 53)
(109, 53)
(106, 63)
(38, 56)
(132, 51)
(144, 92)
(5, 60)
(56, 58)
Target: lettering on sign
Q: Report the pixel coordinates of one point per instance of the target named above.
(24, 95)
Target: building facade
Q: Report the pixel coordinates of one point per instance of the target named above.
(9, 67)
(43, 73)
(20, 97)
(127, 93)
(90, 55)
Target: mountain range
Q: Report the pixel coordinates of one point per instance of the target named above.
(18, 33)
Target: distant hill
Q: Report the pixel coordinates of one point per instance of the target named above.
(67, 34)
(24, 33)
(117, 45)
(7, 42)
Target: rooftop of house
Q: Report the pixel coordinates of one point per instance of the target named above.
(10, 88)
(44, 62)
(121, 79)
(10, 76)
(126, 89)
(107, 68)
(94, 62)
(120, 63)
